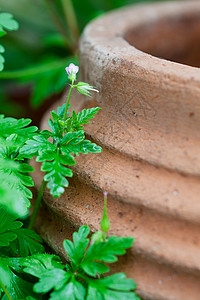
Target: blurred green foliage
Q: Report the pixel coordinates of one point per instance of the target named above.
(37, 54)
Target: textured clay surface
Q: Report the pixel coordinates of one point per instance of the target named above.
(144, 60)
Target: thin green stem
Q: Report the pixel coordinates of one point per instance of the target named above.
(5, 290)
(68, 98)
(105, 216)
(58, 23)
(71, 20)
(34, 70)
(37, 204)
(105, 223)
(105, 205)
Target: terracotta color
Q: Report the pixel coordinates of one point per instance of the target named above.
(149, 129)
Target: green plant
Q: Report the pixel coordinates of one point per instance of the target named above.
(26, 272)
(83, 276)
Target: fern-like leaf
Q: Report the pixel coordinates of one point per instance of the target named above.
(57, 155)
(86, 115)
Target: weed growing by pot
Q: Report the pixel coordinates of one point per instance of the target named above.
(26, 272)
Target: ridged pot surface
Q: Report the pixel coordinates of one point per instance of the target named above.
(145, 62)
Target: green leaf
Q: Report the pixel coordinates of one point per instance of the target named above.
(54, 162)
(76, 250)
(74, 142)
(116, 286)
(9, 147)
(50, 279)
(17, 287)
(15, 183)
(104, 252)
(20, 241)
(73, 137)
(118, 282)
(37, 264)
(8, 126)
(27, 243)
(92, 260)
(61, 111)
(7, 225)
(71, 291)
(56, 172)
(85, 115)
(51, 275)
(71, 282)
(7, 22)
(84, 147)
(77, 120)
(37, 145)
(6, 199)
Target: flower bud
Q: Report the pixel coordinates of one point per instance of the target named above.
(85, 89)
(72, 70)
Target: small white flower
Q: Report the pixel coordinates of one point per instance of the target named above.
(72, 70)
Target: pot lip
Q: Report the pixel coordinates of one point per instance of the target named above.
(105, 35)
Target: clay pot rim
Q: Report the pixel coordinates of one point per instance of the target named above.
(107, 32)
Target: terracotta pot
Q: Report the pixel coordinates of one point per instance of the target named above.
(144, 60)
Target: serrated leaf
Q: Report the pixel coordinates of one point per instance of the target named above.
(51, 279)
(54, 162)
(94, 294)
(84, 147)
(86, 115)
(118, 282)
(37, 264)
(76, 250)
(60, 112)
(8, 126)
(73, 137)
(116, 286)
(37, 145)
(104, 252)
(72, 283)
(71, 291)
(75, 143)
(77, 120)
(9, 147)
(56, 173)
